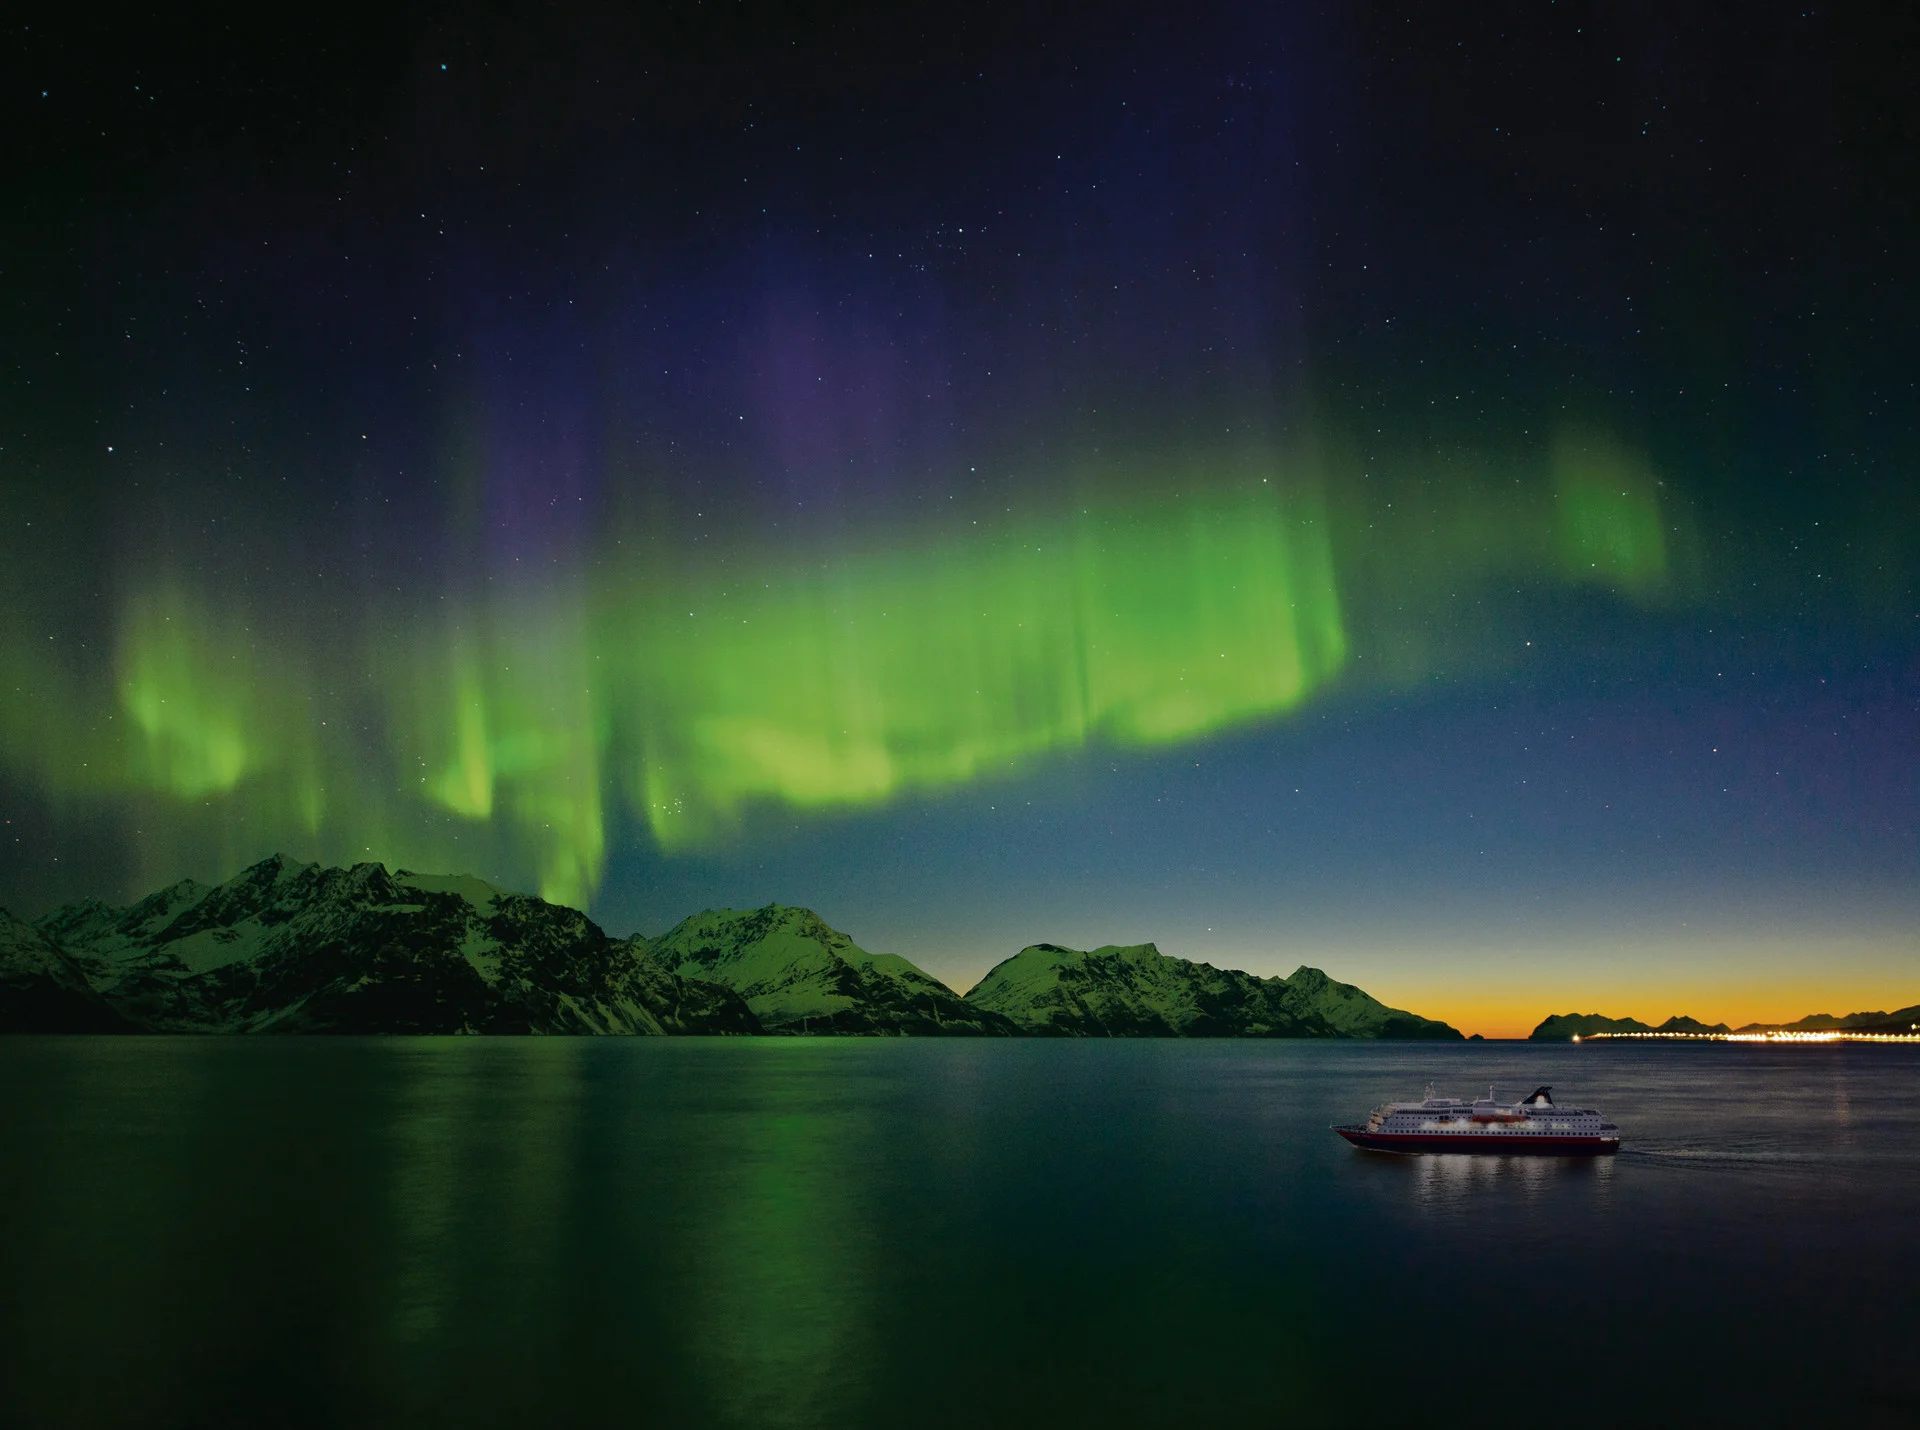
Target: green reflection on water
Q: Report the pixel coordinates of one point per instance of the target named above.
(481, 1190)
(513, 1189)
(96, 1211)
(782, 1266)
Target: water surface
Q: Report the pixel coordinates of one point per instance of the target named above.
(868, 1232)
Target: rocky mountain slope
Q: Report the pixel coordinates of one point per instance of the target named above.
(800, 976)
(1137, 991)
(42, 990)
(290, 947)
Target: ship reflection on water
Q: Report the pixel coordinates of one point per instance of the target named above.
(1455, 1182)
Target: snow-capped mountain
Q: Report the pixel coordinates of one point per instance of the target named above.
(1138, 991)
(799, 975)
(294, 947)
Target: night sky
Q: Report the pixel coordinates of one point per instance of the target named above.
(1427, 491)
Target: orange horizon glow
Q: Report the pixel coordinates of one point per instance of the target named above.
(1517, 1015)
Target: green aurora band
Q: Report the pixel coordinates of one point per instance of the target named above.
(503, 729)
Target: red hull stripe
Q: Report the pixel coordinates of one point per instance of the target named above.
(1520, 1144)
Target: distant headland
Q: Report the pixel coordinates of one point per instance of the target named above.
(289, 947)
(1569, 1027)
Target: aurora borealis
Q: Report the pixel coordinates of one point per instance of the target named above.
(1430, 495)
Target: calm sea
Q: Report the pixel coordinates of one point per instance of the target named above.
(849, 1233)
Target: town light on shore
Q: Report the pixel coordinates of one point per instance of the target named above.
(1776, 1035)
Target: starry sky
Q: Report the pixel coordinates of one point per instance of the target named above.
(1430, 492)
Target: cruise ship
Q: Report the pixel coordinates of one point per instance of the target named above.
(1533, 1126)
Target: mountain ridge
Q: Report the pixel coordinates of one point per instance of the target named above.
(1563, 1027)
(799, 974)
(1134, 990)
(291, 947)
